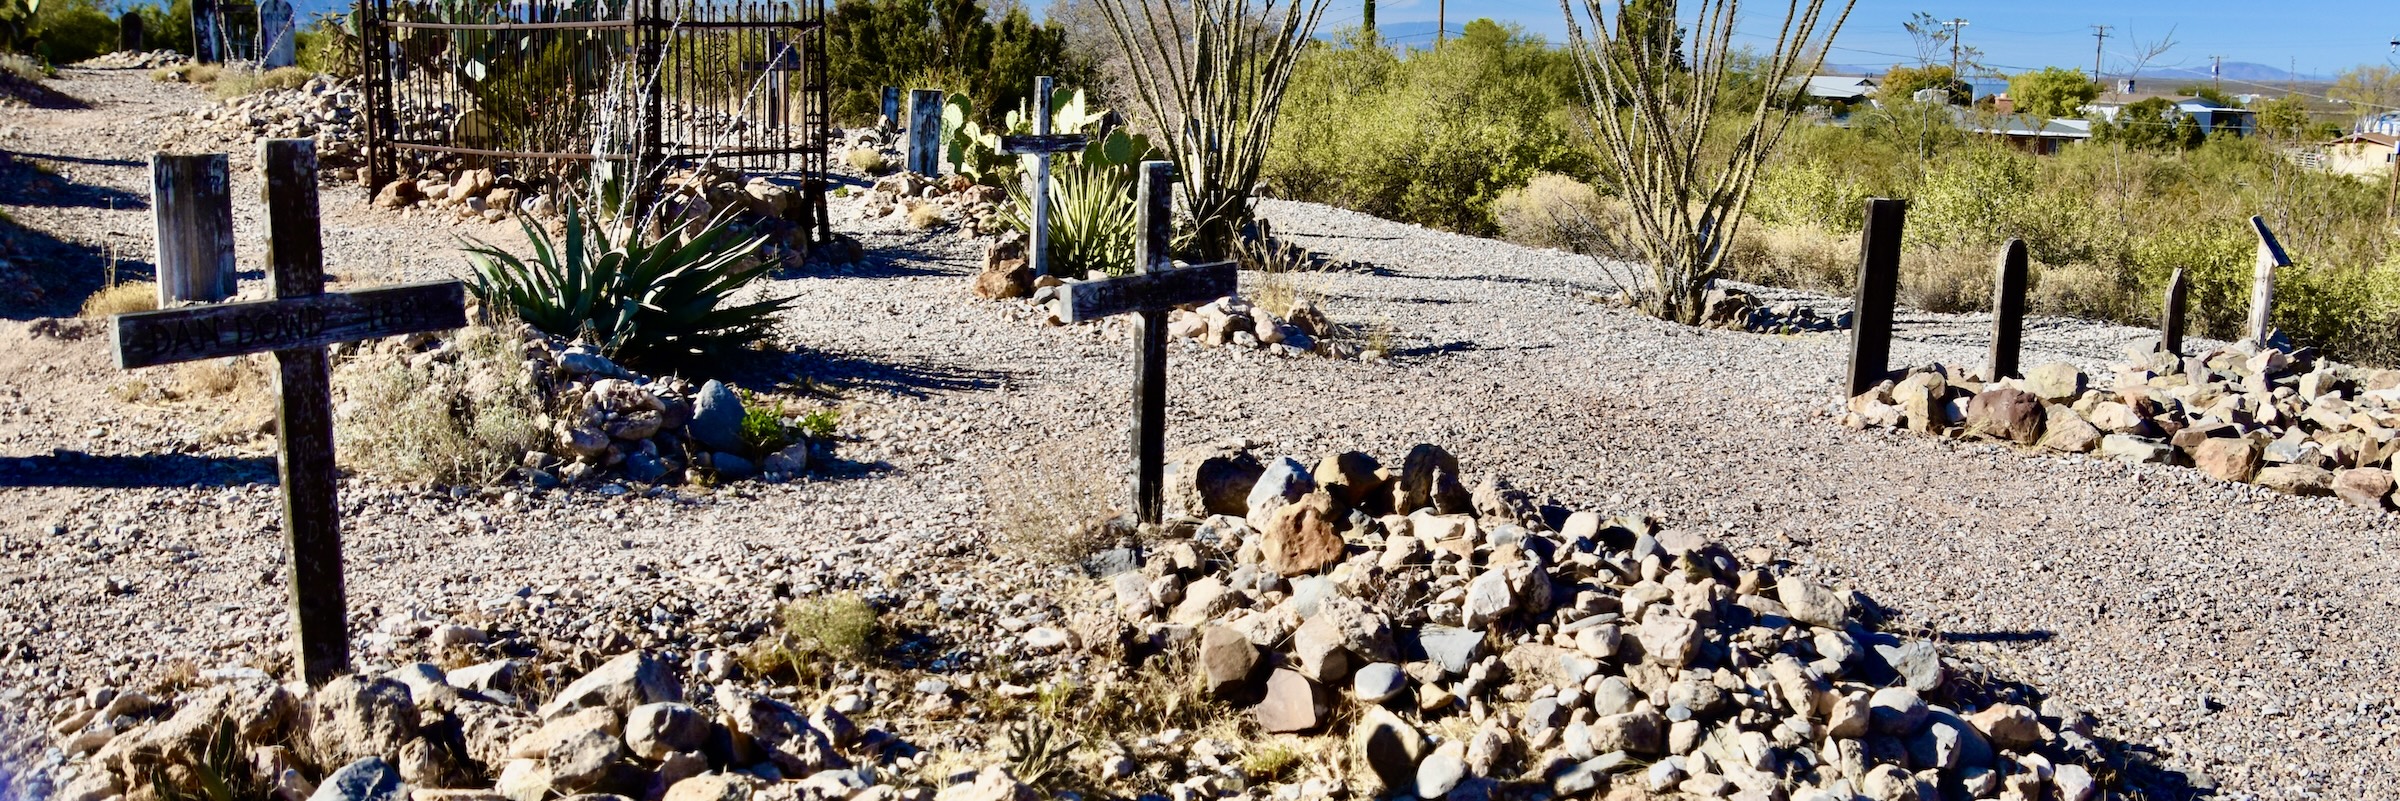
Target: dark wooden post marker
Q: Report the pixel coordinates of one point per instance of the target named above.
(1155, 286)
(297, 325)
(2008, 311)
(1878, 289)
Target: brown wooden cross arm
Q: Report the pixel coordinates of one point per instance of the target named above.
(1151, 291)
(167, 336)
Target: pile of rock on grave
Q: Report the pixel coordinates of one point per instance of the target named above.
(626, 730)
(1565, 653)
(605, 421)
(1731, 308)
(135, 59)
(915, 201)
(2282, 419)
(1228, 321)
(324, 109)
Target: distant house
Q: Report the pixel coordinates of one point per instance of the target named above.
(2031, 133)
(1851, 89)
(2365, 155)
(2209, 115)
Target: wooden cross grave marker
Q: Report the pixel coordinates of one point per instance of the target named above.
(297, 325)
(1155, 286)
(1041, 146)
(784, 59)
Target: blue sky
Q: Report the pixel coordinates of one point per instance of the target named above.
(2323, 37)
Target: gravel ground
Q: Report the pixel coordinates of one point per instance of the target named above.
(2244, 636)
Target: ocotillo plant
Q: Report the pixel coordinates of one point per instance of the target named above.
(1653, 119)
(1211, 80)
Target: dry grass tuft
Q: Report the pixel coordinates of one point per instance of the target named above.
(462, 422)
(1050, 499)
(24, 67)
(1812, 259)
(240, 82)
(868, 161)
(1946, 280)
(124, 298)
(926, 217)
(189, 73)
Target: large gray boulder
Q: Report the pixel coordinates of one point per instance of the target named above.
(717, 418)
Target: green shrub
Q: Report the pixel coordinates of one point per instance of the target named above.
(816, 632)
(762, 430)
(56, 31)
(955, 45)
(329, 46)
(651, 303)
(1432, 138)
(819, 423)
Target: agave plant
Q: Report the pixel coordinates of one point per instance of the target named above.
(639, 301)
(1092, 223)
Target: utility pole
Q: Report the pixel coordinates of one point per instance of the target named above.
(1369, 25)
(2216, 72)
(2100, 35)
(1956, 27)
(1441, 22)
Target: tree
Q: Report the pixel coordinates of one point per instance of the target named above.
(1934, 41)
(1687, 190)
(2052, 92)
(1650, 25)
(878, 43)
(2369, 89)
(1902, 84)
(2283, 119)
(1213, 106)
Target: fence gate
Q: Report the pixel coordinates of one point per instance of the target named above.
(626, 89)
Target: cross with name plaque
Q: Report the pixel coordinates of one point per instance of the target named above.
(1155, 286)
(297, 325)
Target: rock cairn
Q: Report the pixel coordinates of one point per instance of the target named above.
(1230, 321)
(1730, 308)
(1579, 653)
(2282, 419)
(912, 200)
(324, 109)
(133, 59)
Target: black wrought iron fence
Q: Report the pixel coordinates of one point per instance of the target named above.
(635, 88)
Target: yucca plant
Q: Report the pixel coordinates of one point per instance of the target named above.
(654, 302)
(1092, 224)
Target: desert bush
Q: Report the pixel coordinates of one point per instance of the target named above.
(926, 217)
(121, 298)
(24, 67)
(868, 161)
(645, 302)
(1554, 211)
(1434, 137)
(57, 31)
(1807, 258)
(202, 74)
(2084, 290)
(242, 82)
(1048, 501)
(463, 421)
(955, 45)
(329, 46)
(1946, 279)
(814, 633)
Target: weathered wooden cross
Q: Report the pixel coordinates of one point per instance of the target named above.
(297, 325)
(783, 60)
(1041, 146)
(1155, 286)
(2262, 282)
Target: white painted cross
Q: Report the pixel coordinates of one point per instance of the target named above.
(1041, 146)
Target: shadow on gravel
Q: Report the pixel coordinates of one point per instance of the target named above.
(806, 366)
(44, 276)
(77, 469)
(34, 94)
(1998, 636)
(26, 181)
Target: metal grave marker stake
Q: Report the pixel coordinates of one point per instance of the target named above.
(1041, 146)
(297, 325)
(1154, 287)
